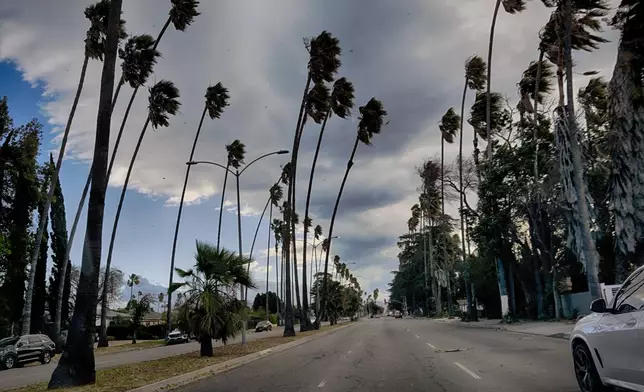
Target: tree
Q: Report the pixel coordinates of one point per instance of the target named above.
(216, 101)
(95, 44)
(209, 311)
(626, 137)
(511, 7)
(139, 308)
(260, 302)
(132, 280)
(162, 103)
(324, 61)
(76, 365)
(370, 123)
(449, 127)
(236, 154)
(340, 102)
(40, 288)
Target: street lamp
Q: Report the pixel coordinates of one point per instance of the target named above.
(237, 173)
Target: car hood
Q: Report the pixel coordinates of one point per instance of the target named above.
(587, 324)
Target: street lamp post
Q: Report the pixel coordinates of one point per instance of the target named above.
(317, 288)
(237, 174)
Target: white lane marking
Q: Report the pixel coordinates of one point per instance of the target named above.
(417, 337)
(349, 352)
(468, 371)
(431, 345)
(320, 385)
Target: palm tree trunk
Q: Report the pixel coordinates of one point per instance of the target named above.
(176, 228)
(268, 254)
(239, 239)
(325, 285)
(119, 207)
(221, 205)
(592, 261)
(535, 122)
(424, 231)
(306, 211)
(118, 91)
(488, 97)
(76, 365)
(252, 247)
(444, 234)
(277, 283)
(26, 313)
(471, 310)
(205, 348)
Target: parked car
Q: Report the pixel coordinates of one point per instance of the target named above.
(19, 350)
(606, 344)
(398, 314)
(263, 326)
(176, 337)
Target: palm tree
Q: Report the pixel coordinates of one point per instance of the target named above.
(138, 58)
(139, 308)
(511, 7)
(625, 118)
(76, 365)
(162, 103)
(209, 312)
(215, 103)
(475, 80)
(317, 233)
(370, 123)
(449, 127)
(324, 61)
(236, 153)
(276, 227)
(133, 280)
(95, 47)
(340, 102)
(275, 195)
(160, 297)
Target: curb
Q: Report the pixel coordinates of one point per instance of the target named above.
(197, 375)
(498, 327)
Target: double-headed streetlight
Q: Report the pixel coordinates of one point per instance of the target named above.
(237, 173)
(315, 259)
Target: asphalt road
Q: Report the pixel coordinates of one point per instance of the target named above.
(405, 355)
(37, 373)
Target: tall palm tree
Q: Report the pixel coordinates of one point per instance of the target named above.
(324, 61)
(215, 103)
(160, 298)
(236, 153)
(340, 103)
(317, 233)
(370, 123)
(162, 103)
(95, 47)
(475, 80)
(626, 129)
(76, 365)
(133, 280)
(138, 58)
(449, 127)
(276, 227)
(511, 7)
(209, 312)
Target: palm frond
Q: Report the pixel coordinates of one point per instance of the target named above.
(162, 103)
(499, 117)
(371, 120)
(236, 153)
(475, 73)
(317, 232)
(276, 194)
(183, 13)
(324, 58)
(342, 97)
(317, 102)
(139, 57)
(528, 81)
(449, 125)
(513, 6)
(216, 100)
(286, 173)
(96, 36)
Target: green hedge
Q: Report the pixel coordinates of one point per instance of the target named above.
(124, 332)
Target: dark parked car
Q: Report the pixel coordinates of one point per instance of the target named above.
(263, 326)
(19, 350)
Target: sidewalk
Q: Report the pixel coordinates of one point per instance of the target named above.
(553, 329)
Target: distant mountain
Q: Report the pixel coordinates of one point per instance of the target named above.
(146, 287)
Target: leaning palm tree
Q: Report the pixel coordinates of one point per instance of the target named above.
(216, 100)
(324, 61)
(340, 103)
(76, 365)
(370, 123)
(208, 311)
(475, 80)
(138, 58)
(449, 126)
(95, 46)
(162, 103)
(236, 153)
(511, 7)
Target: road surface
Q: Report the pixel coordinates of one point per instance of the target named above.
(405, 355)
(37, 373)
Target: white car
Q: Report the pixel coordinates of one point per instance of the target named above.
(608, 344)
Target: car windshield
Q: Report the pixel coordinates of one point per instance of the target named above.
(9, 341)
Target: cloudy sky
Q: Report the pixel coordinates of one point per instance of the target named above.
(407, 53)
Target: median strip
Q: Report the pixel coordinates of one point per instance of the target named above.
(167, 373)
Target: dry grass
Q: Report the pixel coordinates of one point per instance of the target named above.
(129, 347)
(126, 377)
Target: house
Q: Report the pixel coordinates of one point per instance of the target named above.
(111, 315)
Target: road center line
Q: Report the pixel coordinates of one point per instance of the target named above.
(431, 345)
(349, 352)
(320, 385)
(468, 371)
(417, 337)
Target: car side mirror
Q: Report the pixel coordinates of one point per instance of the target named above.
(19, 345)
(598, 306)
